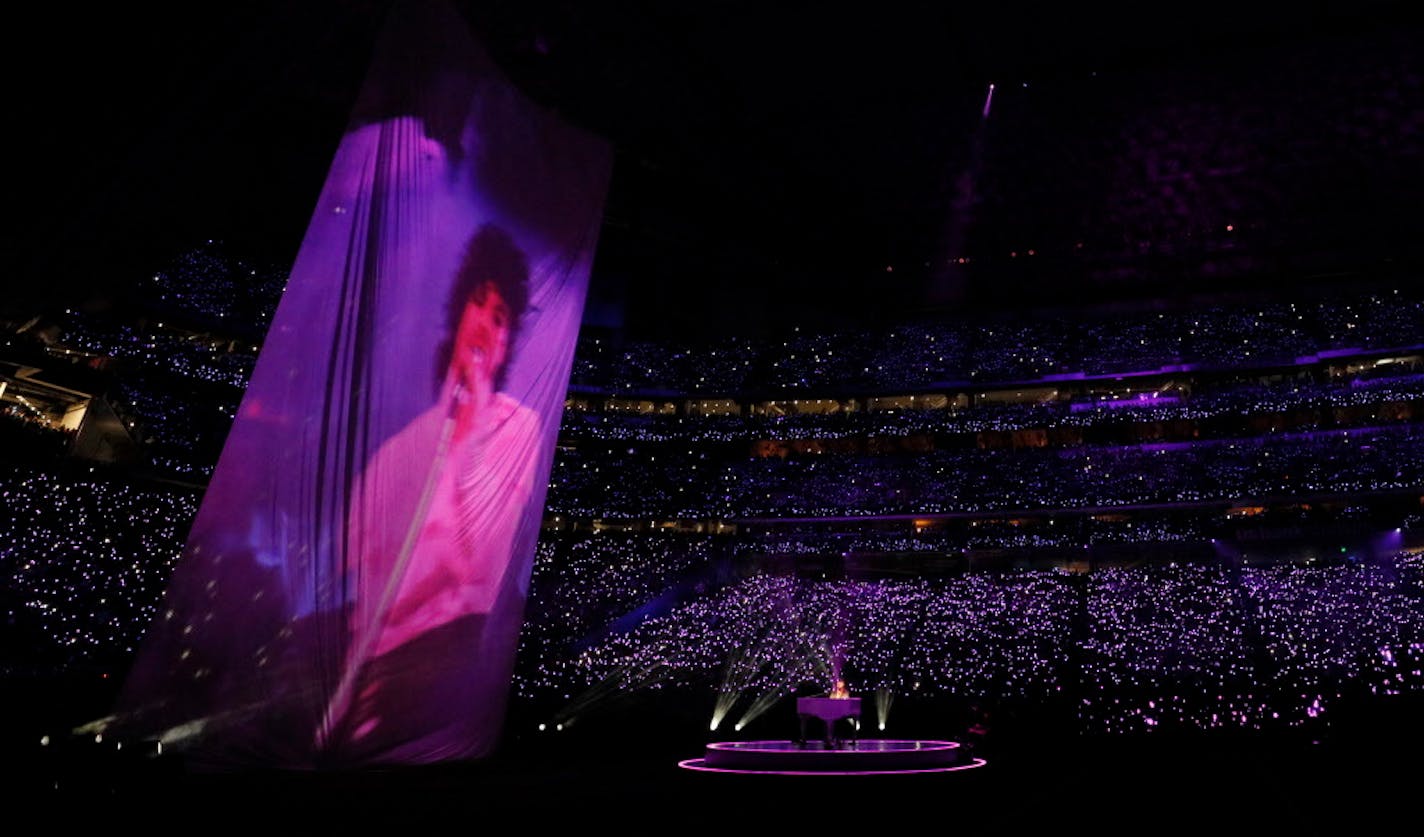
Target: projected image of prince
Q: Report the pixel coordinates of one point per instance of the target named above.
(438, 530)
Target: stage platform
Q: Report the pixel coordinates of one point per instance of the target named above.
(867, 757)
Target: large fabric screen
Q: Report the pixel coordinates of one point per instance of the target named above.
(352, 589)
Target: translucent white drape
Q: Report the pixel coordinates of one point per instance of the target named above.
(352, 589)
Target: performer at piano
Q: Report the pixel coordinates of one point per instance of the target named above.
(829, 709)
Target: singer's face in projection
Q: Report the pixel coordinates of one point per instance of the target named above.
(482, 340)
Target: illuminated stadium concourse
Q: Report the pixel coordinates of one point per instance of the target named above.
(720, 415)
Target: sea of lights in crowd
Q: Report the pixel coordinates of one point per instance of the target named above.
(1163, 643)
(1210, 645)
(960, 350)
(684, 484)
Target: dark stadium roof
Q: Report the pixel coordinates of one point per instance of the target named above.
(778, 155)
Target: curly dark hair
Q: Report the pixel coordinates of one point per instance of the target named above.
(492, 257)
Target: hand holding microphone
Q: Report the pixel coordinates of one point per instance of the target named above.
(472, 386)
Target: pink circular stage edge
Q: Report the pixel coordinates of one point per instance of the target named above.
(859, 758)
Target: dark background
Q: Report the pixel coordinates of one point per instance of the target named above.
(772, 160)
